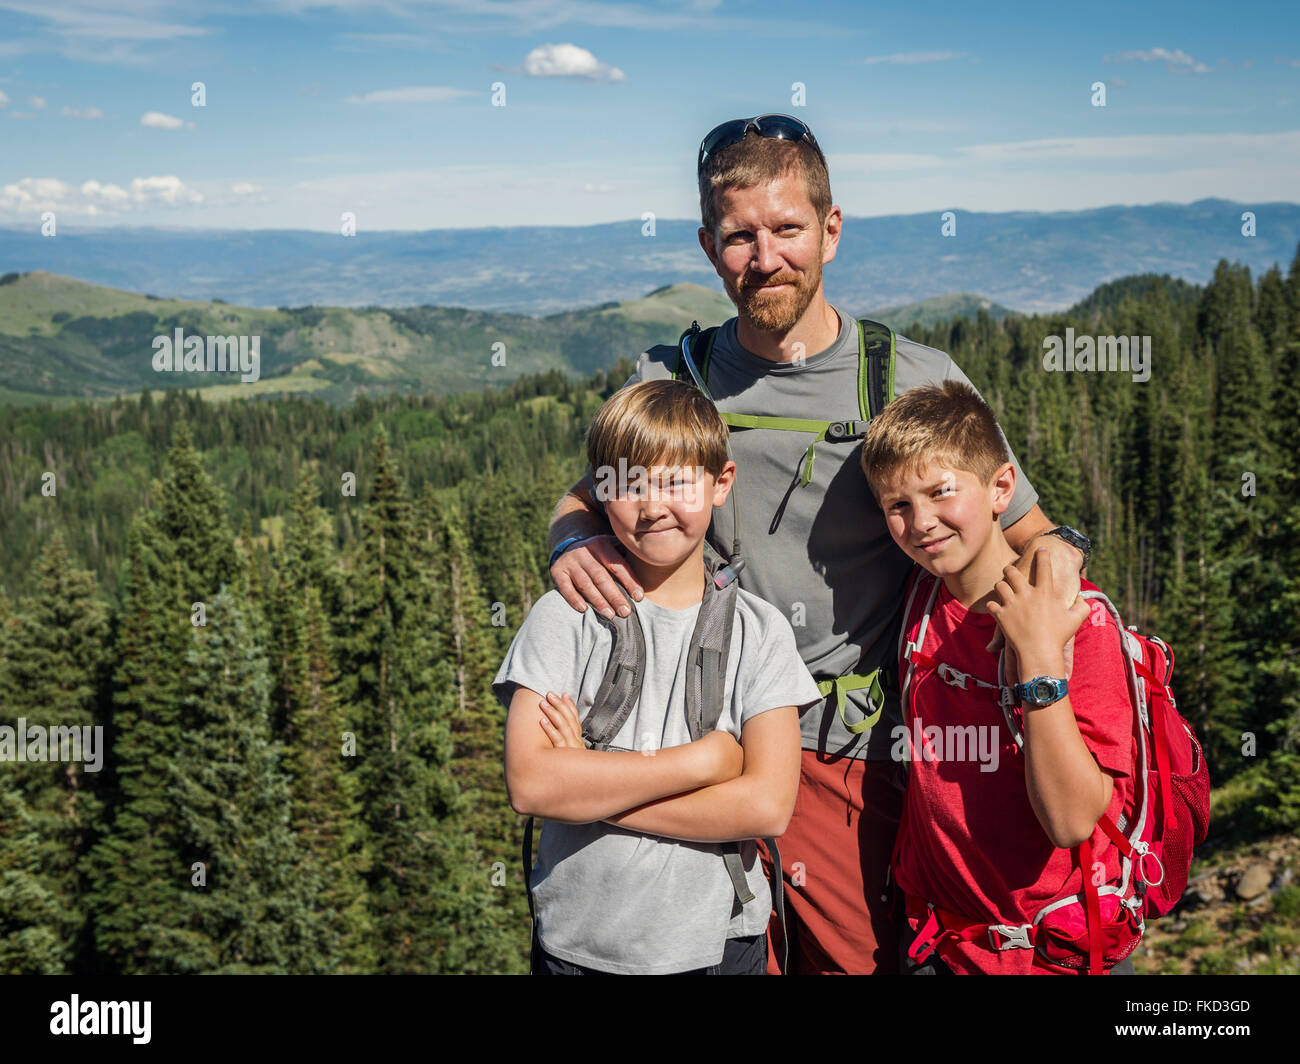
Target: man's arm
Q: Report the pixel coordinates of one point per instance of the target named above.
(756, 804)
(577, 785)
(582, 573)
(1066, 560)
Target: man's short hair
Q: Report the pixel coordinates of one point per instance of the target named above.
(755, 160)
(944, 424)
(664, 422)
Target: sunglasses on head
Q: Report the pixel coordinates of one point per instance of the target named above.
(781, 127)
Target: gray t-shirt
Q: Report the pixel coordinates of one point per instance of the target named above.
(821, 553)
(623, 901)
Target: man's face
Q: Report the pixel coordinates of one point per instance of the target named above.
(769, 251)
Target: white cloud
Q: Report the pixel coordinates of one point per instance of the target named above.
(158, 120)
(243, 188)
(411, 94)
(90, 113)
(37, 103)
(568, 61)
(33, 194)
(111, 195)
(37, 194)
(908, 58)
(3, 99)
(1176, 60)
(170, 190)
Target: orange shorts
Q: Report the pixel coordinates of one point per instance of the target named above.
(835, 863)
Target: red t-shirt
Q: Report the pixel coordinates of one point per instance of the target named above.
(970, 842)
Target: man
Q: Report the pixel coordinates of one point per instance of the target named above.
(816, 544)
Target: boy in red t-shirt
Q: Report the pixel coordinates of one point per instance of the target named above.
(987, 829)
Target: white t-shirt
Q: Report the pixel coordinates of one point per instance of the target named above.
(622, 901)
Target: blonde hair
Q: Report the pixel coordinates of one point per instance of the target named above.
(755, 160)
(948, 424)
(652, 423)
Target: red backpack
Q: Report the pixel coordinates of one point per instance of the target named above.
(1167, 815)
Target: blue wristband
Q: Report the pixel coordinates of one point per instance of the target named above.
(564, 545)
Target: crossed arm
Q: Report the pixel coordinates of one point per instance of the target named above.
(710, 790)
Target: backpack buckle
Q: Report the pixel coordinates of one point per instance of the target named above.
(954, 677)
(845, 430)
(1015, 937)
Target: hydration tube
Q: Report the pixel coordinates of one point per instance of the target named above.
(730, 571)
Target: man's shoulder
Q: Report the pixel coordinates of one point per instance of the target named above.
(916, 364)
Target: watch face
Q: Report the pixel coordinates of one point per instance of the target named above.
(1043, 690)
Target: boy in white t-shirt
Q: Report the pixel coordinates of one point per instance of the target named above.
(630, 877)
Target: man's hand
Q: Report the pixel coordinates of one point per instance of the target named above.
(582, 574)
(1030, 616)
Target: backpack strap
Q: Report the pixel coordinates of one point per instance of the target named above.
(620, 686)
(877, 351)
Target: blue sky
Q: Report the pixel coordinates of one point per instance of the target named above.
(385, 109)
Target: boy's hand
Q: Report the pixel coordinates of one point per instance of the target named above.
(560, 721)
(725, 759)
(1031, 617)
(582, 574)
(1066, 575)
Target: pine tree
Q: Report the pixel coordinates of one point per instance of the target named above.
(135, 869)
(253, 909)
(179, 555)
(324, 807)
(54, 676)
(474, 648)
(425, 897)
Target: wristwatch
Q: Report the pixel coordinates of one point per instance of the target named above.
(1074, 538)
(1040, 692)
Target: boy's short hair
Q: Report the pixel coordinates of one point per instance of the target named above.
(650, 423)
(946, 423)
(755, 160)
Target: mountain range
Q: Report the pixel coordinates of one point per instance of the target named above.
(1024, 260)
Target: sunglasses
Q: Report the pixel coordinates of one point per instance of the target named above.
(781, 127)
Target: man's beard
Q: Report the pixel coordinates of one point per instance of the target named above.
(778, 311)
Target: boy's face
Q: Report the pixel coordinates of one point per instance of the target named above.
(942, 518)
(662, 514)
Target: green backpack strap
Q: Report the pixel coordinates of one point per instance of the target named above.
(877, 352)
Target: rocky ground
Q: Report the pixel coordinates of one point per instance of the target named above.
(1239, 915)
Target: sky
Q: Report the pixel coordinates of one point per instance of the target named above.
(422, 114)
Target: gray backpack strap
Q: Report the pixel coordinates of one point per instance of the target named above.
(706, 680)
(620, 687)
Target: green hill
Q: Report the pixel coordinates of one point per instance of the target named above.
(939, 308)
(62, 338)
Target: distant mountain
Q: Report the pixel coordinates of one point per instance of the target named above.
(61, 338)
(1024, 260)
(940, 308)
